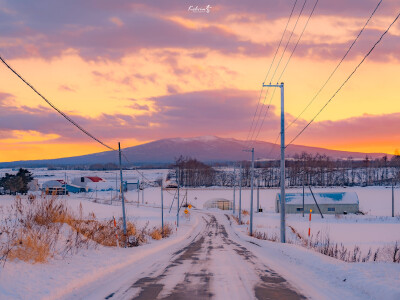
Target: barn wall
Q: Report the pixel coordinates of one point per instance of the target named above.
(339, 208)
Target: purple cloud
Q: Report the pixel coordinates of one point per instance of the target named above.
(46, 28)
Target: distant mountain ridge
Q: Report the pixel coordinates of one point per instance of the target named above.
(203, 148)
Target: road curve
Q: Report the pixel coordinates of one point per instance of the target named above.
(211, 266)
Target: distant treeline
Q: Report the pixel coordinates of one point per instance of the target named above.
(315, 170)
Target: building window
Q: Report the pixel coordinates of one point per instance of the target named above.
(299, 209)
(331, 209)
(82, 179)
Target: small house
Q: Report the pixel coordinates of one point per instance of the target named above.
(53, 183)
(56, 187)
(329, 203)
(84, 180)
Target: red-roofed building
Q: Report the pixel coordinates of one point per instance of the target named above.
(95, 179)
(83, 181)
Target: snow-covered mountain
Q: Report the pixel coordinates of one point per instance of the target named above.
(204, 148)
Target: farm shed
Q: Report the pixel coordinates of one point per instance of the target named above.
(54, 187)
(131, 185)
(220, 203)
(329, 203)
(84, 180)
(59, 183)
(93, 183)
(75, 188)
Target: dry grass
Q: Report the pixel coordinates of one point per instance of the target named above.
(37, 229)
(265, 236)
(168, 230)
(237, 220)
(156, 233)
(299, 237)
(323, 245)
(35, 248)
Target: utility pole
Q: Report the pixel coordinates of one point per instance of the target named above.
(303, 193)
(122, 192)
(65, 183)
(138, 192)
(177, 211)
(258, 194)
(234, 188)
(240, 195)
(283, 198)
(393, 197)
(252, 187)
(162, 209)
(116, 186)
(143, 195)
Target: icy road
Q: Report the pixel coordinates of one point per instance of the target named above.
(210, 264)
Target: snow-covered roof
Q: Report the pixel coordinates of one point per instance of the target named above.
(322, 198)
(53, 183)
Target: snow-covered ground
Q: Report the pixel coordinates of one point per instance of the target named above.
(20, 280)
(322, 277)
(305, 268)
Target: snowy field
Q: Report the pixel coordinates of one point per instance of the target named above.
(376, 228)
(373, 230)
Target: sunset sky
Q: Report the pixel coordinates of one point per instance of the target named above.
(138, 71)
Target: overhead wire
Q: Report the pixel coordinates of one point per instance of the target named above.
(336, 68)
(293, 50)
(69, 119)
(135, 168)
(346, 80)
(298, 40)
(276, 68)
(269, 70)
(288, 41)
(55, 108)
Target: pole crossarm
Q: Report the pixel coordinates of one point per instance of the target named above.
(273, 85)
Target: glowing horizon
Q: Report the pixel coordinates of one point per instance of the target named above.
(139, 72)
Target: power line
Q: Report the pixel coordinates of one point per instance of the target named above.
(265, 115)
(135, 168)
(283, 71)
(277, 66)
(347, 79)
(68, 118)
(270, 66)
(55, 108)
(288, 41)
(338, 65)
(298, 40)
(328, 77)
(280, 42)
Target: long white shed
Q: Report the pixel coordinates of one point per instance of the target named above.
(329, 203)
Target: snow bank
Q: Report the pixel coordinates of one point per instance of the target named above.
(322, 277)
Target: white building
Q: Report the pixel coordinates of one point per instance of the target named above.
(329, 203)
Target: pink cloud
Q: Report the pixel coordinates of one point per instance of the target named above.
(365, 129)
